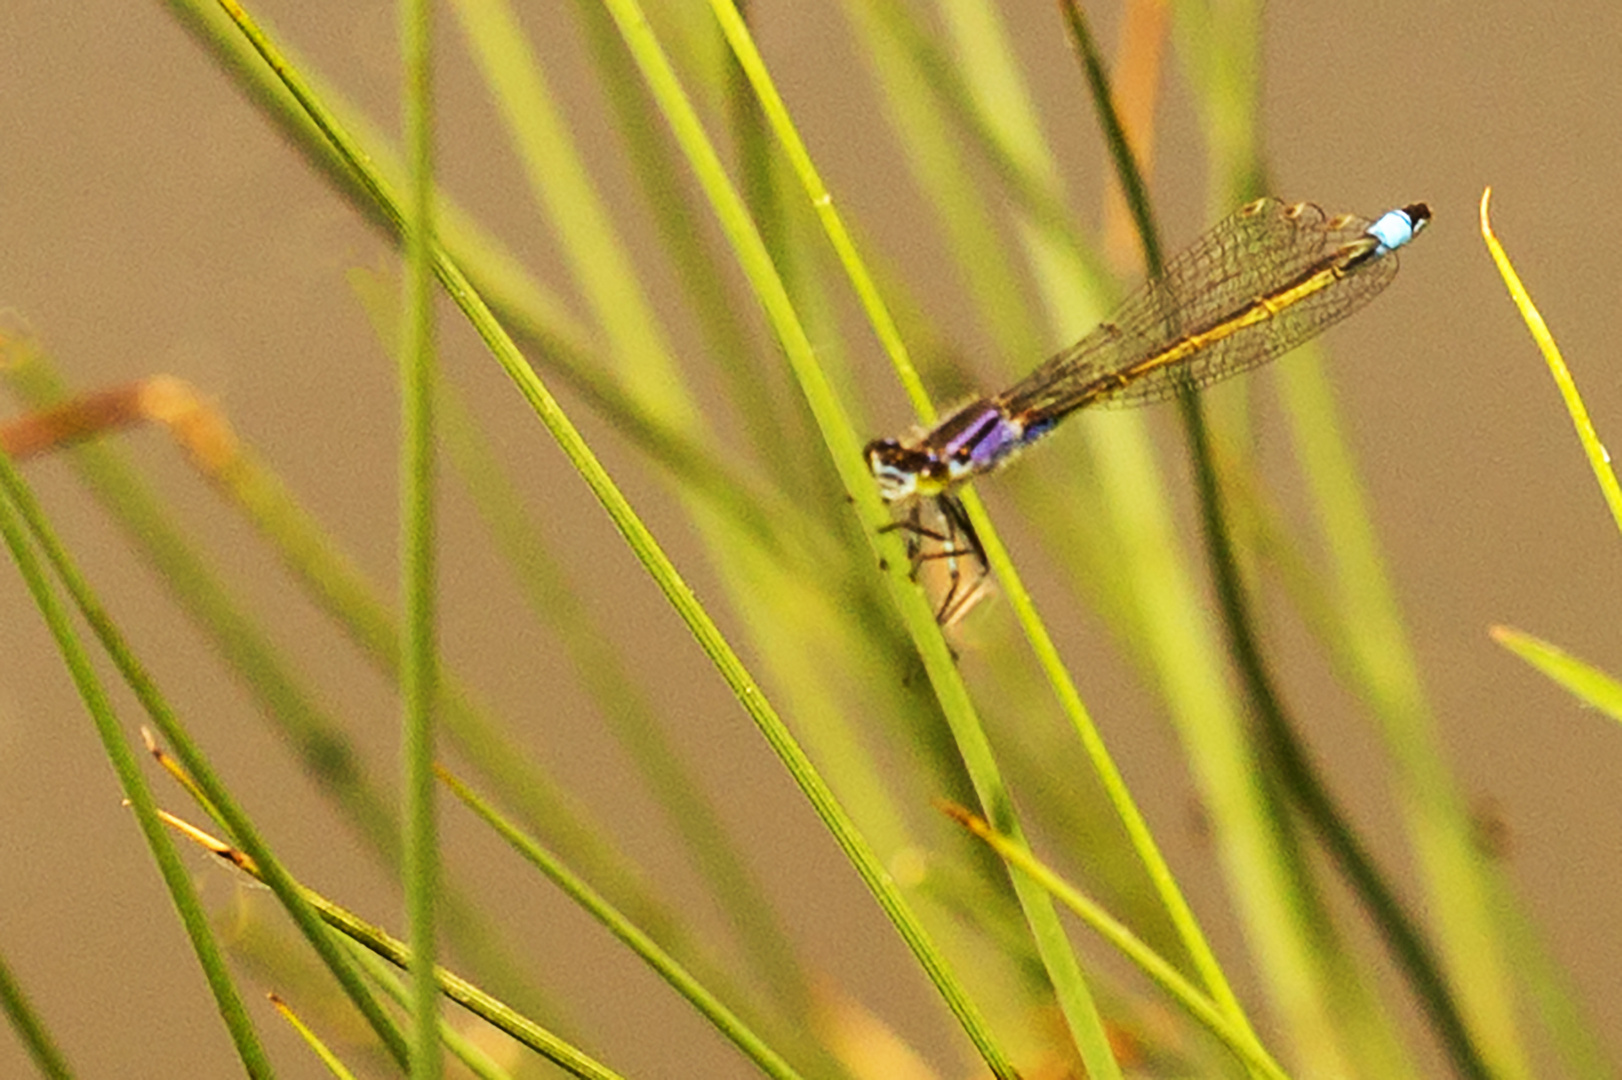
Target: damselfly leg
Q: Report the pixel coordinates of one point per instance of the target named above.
(939, 533)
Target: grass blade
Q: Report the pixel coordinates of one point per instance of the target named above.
(419, 646)
(1590, 685)
(1599, 458)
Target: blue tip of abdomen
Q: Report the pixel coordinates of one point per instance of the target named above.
(1396, 227)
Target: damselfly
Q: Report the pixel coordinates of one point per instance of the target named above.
(1265, 280)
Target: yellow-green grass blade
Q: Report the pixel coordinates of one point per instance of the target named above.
(1587, 683)
(1599, 459)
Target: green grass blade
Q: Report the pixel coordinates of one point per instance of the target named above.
(1064, 970)
(419, 645)
(1132, 183)
(878, 314)
(30, 1028)
(1383, 665)
(1305, 788)
(603, 268)
(1031, 179)
(931, 144)
(597, 256)
(478, 1061)
(679, 216)
(196, 764)
(991, 75)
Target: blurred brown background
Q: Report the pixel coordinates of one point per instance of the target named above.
(151, 221)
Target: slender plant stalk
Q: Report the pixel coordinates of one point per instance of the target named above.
(1137, 196)
(419, 675)
(30, 1028)
(734, 219)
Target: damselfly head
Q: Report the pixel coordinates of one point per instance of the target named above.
(901, 471)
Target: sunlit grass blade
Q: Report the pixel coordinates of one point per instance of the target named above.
(939, 167)
(1334, 1021)
(1599, 458)
(995, 74)
(559, 180)
(905, 60)
(678, 215)
(1381, 666)
(331, 1060)
(1590, 685)
(1063, 968)
(1225, 570)
(370, 936)
(1032, 181)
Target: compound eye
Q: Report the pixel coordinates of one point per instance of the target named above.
(882, 450)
